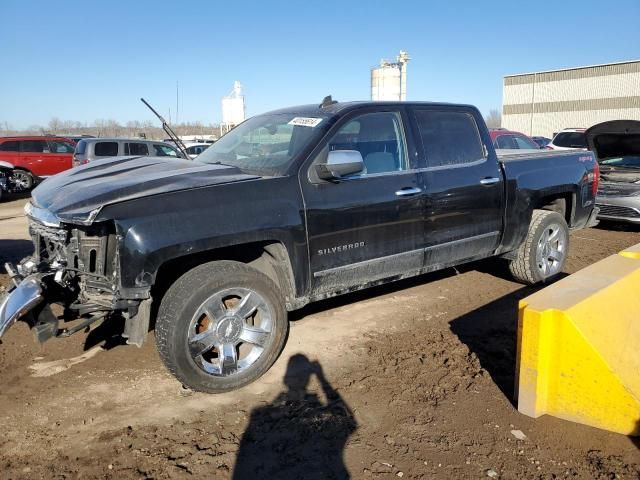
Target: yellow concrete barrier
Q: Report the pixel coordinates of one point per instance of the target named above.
(579, 347)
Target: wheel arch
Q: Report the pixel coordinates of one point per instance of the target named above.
(268, 256)
(563, 203)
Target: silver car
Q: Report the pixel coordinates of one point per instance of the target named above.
(90, 149)
(616, 145)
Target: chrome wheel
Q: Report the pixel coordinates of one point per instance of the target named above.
(22, 180)
(230, 331)
(551, 250)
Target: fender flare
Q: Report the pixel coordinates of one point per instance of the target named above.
(8, 165)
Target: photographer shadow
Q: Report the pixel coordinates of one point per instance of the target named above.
(297, 435)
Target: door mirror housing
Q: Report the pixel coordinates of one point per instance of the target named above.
(340, 164)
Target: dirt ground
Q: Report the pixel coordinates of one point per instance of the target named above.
(412, 380)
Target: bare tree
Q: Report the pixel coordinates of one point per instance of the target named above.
(55, 125)
(494, 119)
(110, 128)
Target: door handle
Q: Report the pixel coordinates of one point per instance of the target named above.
(489, 181)
(405, 192)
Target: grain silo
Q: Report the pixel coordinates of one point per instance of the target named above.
(233, 108)
(389, 80)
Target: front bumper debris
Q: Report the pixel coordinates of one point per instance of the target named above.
(19, 301)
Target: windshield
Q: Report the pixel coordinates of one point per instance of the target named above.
(625, 162)
(265, 144)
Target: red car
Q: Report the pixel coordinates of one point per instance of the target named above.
(508, 140)
(35, 157)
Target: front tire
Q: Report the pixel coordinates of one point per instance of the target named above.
(22, 180)
(543, 254)
(221, 326)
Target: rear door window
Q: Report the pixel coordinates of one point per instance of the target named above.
(449, 138)
(34, 146)
(136, 149)
(106, 149)
(56, 146)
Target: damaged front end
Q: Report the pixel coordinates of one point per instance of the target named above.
(76, 268)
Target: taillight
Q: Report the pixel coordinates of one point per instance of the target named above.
(595, 178)
(75, 162)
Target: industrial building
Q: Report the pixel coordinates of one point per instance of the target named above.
(542, 103)
(389, 80)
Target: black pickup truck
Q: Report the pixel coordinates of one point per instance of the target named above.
(288, 208)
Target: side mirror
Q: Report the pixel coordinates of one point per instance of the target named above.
(340, 163)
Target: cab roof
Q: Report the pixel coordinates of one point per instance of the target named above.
(340, 108)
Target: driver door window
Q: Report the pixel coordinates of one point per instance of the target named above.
(378, 137)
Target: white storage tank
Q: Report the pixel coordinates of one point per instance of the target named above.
(233, 107)
(389, 80)
(385, 82)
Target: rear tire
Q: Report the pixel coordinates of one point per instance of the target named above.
(543, 254)
(221, 326)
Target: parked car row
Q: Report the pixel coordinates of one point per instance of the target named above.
(27, 160)
(567, 139)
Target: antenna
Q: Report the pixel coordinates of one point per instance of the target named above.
(327, 101)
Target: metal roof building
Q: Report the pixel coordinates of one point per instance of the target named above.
(542, 103)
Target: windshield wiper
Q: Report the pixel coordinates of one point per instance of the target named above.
(167, 129)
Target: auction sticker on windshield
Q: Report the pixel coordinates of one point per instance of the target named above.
(305, 121)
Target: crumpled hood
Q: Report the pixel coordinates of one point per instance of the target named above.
(617, 138)
(73, 195)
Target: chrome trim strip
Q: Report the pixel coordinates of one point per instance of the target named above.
(329, 271)
(462, 240)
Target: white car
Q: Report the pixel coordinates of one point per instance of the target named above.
(569, 139)
(195, 149)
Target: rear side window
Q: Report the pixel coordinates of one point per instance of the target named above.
(106, 149)
(136, 149)
(523, 142)
(570, 140)
(449, 138)
(81, 147)
(12, 146)
(34, 146)
(60, 147)
(505, 141)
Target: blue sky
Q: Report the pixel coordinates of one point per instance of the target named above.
(87, 60)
